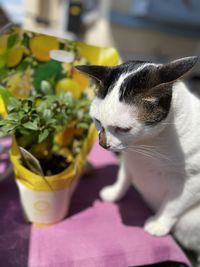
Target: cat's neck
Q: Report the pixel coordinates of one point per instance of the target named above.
(183, 102)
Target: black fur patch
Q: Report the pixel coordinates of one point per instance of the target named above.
(153, 113)
(114, 74)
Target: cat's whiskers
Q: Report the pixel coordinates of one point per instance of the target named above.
(139, 152)
(176, 169)
(167, 123)
(157, 155)
(148, 150)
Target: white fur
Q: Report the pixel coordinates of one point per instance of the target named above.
(163, 162)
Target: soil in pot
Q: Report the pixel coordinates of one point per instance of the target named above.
(56, 164)
(51, 166)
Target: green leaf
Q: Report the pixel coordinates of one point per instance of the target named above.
(84, 103)
(13, 117)
(2, 122)
(46, 71)
(3, 73)
(31, 125)
(13, 39)
(9, 128)
(43, 136)
(24, 131)
(22, 65)
(6, 96)
(47, 114)
(13, 103)
(25, 40)
(82, 125)
(80, 114)
(30, 161)
(2, 61)
(52, 122)
(26, 107)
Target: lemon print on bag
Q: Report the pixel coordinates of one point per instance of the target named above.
(41, 46)
(3, 43)
(69, 85)
(11, 50)
(99, 56)
(15, 56)
(19, 84)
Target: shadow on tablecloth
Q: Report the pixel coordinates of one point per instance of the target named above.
(14, 233)
(90, 187)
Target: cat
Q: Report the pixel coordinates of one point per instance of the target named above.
(143, 110)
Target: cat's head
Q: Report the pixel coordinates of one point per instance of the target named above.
(133, 99)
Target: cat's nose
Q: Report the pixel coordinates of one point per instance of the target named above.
(102, 139)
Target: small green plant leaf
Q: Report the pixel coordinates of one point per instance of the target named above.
(47, 114)
(26, 107)
(13, 103)
(13, 39)
(6, 96)
(7, 129)
(25, 132)
(2, 62)
(52, 122)
(29, 161)
(43, 136)
(25, 40)
(3, 72)
(83, 125)
(31, 125)
(2, 122)
(80, 114)
(13, 117)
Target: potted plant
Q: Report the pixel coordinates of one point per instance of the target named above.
(45, 105)
(46, 168)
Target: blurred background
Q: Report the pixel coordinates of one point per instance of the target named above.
(139, 29)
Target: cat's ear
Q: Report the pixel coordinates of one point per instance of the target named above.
(98, 73)
(175, 69)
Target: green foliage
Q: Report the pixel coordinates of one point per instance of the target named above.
(40, 117)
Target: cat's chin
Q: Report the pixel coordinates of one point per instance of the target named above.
(117, 150)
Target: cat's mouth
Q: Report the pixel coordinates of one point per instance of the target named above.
(110, 148)
(114, 149)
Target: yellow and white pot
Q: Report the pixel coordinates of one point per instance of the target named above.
(46, 200)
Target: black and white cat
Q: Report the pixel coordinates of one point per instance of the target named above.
(143, 110)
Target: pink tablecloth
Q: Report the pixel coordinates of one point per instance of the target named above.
(98, 234)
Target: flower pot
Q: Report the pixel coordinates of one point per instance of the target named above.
(45, 207)
(46, 200)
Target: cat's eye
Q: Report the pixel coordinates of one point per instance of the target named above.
(96, 121)
(121, 130)
(98, 124)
